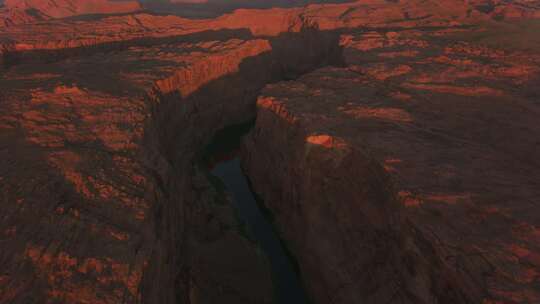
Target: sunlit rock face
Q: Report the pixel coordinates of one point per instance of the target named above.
(189, 1)
(98, 241)
(401, 170)
(215, 8)
(500, 9)
(408, 159)
(130, 217)
(14, 12)
(66, 8)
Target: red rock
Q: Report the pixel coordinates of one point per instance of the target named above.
(500, 9)
(457, 154)
(404, 175)
(66, 8)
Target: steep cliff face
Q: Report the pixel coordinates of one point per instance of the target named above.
(337, 208)
(112, 138)
(368, 168)
(401, 179)
(96, 234)
(183, 122)
(66, 8)
(69, 33)
(12, 17)
(501, 9)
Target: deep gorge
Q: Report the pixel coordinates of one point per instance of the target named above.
(182, 123)
(328, 153)
(193, 236)
(222, 157)
(186, 112)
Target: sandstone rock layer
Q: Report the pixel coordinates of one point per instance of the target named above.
(406, 172)
(414, 166)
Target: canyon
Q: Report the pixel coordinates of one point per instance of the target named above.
(16, 12)
(394, 145)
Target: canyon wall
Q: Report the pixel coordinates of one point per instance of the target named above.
(397, 177)
(112, 137)
(336, 208)
(187, 109)
(401, 178)
(67, 8)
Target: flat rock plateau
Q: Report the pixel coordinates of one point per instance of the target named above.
(396, 144)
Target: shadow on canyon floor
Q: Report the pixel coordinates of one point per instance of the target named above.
(221, 156)
(182, 123)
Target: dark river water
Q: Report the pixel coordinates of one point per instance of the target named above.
(287, 286)
(221, 157)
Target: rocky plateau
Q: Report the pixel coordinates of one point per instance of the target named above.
(395, 145)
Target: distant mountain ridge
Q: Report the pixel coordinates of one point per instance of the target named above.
(67, 8)
(13, 12)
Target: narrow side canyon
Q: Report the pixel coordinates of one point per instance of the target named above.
(185, 116)
(113, 136)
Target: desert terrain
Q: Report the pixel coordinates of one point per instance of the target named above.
(392, 145)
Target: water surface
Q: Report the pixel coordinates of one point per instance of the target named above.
(287, 285)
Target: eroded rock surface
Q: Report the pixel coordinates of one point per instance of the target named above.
(102, 198)
(406, 174)
(414, 166)
(78, 220)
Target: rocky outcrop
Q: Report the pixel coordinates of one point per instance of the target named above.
(68, 33)
(401, 178)
(500, 9)
(102, 119)
(67, 37)
(338, 211)
(80, 222)
(67, 8)
(113, 138)
(12, 17)
(175, 126)
(15, 13)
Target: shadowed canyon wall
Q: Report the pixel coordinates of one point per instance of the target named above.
(187, 110)
(405, 176)
(139, 222)
(214, 8)
(362, 252)
(336, 207)
(183, 112)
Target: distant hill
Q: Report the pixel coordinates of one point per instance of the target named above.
(214, 8)
(67, 8)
